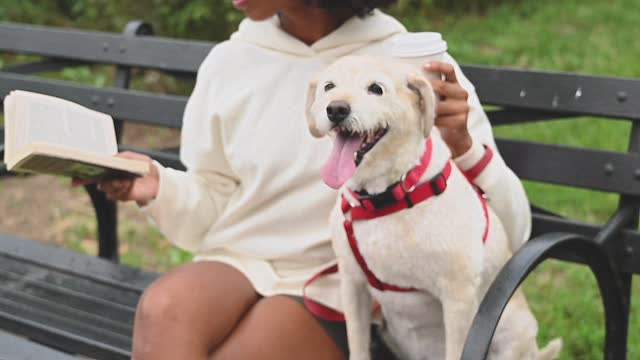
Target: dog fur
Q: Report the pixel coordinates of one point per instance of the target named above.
(435, 247)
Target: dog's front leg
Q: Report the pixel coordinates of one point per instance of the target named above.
(459, 308)
(357, 301)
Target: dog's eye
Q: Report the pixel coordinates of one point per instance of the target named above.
(375, 88)
(328, 86)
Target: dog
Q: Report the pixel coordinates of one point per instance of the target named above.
(426, 264)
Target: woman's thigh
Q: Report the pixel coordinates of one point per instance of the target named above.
(190, 310)
(278, 327)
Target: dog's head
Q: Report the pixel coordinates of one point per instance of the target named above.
(379, 112)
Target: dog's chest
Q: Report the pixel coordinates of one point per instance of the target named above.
(396, 246)
(403, 247)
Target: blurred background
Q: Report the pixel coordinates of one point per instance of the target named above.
(591, 37)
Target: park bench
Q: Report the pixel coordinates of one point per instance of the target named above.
(57, 304)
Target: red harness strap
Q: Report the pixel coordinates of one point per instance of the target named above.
(419, 194)
(318, 309)
(472, 173)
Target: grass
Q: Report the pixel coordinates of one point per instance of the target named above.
(592, 37)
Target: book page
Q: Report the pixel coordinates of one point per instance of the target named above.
(55, 121)
(9, 113)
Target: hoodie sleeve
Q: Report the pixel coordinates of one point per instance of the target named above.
(189, 202)
(504, 191)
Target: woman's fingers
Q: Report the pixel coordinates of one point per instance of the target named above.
(140, 189)
(117, 189)
(446, 69)
(448, 89)
(451, 107)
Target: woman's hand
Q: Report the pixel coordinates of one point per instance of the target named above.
(140, 189)
(452, 110)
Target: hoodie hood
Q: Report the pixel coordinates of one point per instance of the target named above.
(353, 34)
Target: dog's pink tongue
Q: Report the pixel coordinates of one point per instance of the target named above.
(341, 166)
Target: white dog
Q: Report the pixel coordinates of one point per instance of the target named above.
(425, 264)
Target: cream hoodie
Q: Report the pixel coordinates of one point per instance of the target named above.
(252, 196)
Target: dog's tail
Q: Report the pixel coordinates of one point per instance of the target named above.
(551, 351)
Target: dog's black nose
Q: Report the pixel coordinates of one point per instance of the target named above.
(338, 110)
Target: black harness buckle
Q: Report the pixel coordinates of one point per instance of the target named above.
(381, 200)
(438, 184)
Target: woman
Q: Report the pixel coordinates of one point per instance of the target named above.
(252, 206)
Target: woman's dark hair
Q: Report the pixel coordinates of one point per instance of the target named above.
(359, 7)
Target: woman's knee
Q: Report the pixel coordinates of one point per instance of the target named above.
(159, 303)
(187, 291)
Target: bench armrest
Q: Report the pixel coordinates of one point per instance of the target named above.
(525, 260)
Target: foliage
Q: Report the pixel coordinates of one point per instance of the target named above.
(200, 19)
(212, 20)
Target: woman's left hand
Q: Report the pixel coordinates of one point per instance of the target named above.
(452, 110)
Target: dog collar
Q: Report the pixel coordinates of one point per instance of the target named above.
(402, 194)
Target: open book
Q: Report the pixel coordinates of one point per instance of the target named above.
(45, 134)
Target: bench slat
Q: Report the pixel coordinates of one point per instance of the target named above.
(585, 168)
(36, 276)
(31, 282)
(102, 47)
(18, 348)
(557, 92)
(68, 309)
(57, 330)
(131, 105)
(36, 298)
(626, 252)
(77, 265)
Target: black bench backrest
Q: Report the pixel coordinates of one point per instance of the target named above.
(525, 96)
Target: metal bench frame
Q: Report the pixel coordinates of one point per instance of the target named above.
(611, 250)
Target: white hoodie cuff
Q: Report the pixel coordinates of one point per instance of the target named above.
(470, 158)
(166, 190)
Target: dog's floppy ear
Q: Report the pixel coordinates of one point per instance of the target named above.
(311, 98)
(426, 101)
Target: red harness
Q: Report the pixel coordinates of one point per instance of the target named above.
(399, 196)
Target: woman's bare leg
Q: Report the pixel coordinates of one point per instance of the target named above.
(279, 328)
(190, 310)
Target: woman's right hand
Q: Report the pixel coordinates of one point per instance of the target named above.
(140, 189)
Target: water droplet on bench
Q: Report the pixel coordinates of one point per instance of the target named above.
(578, 94)
(622, 96)
(608, 169)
